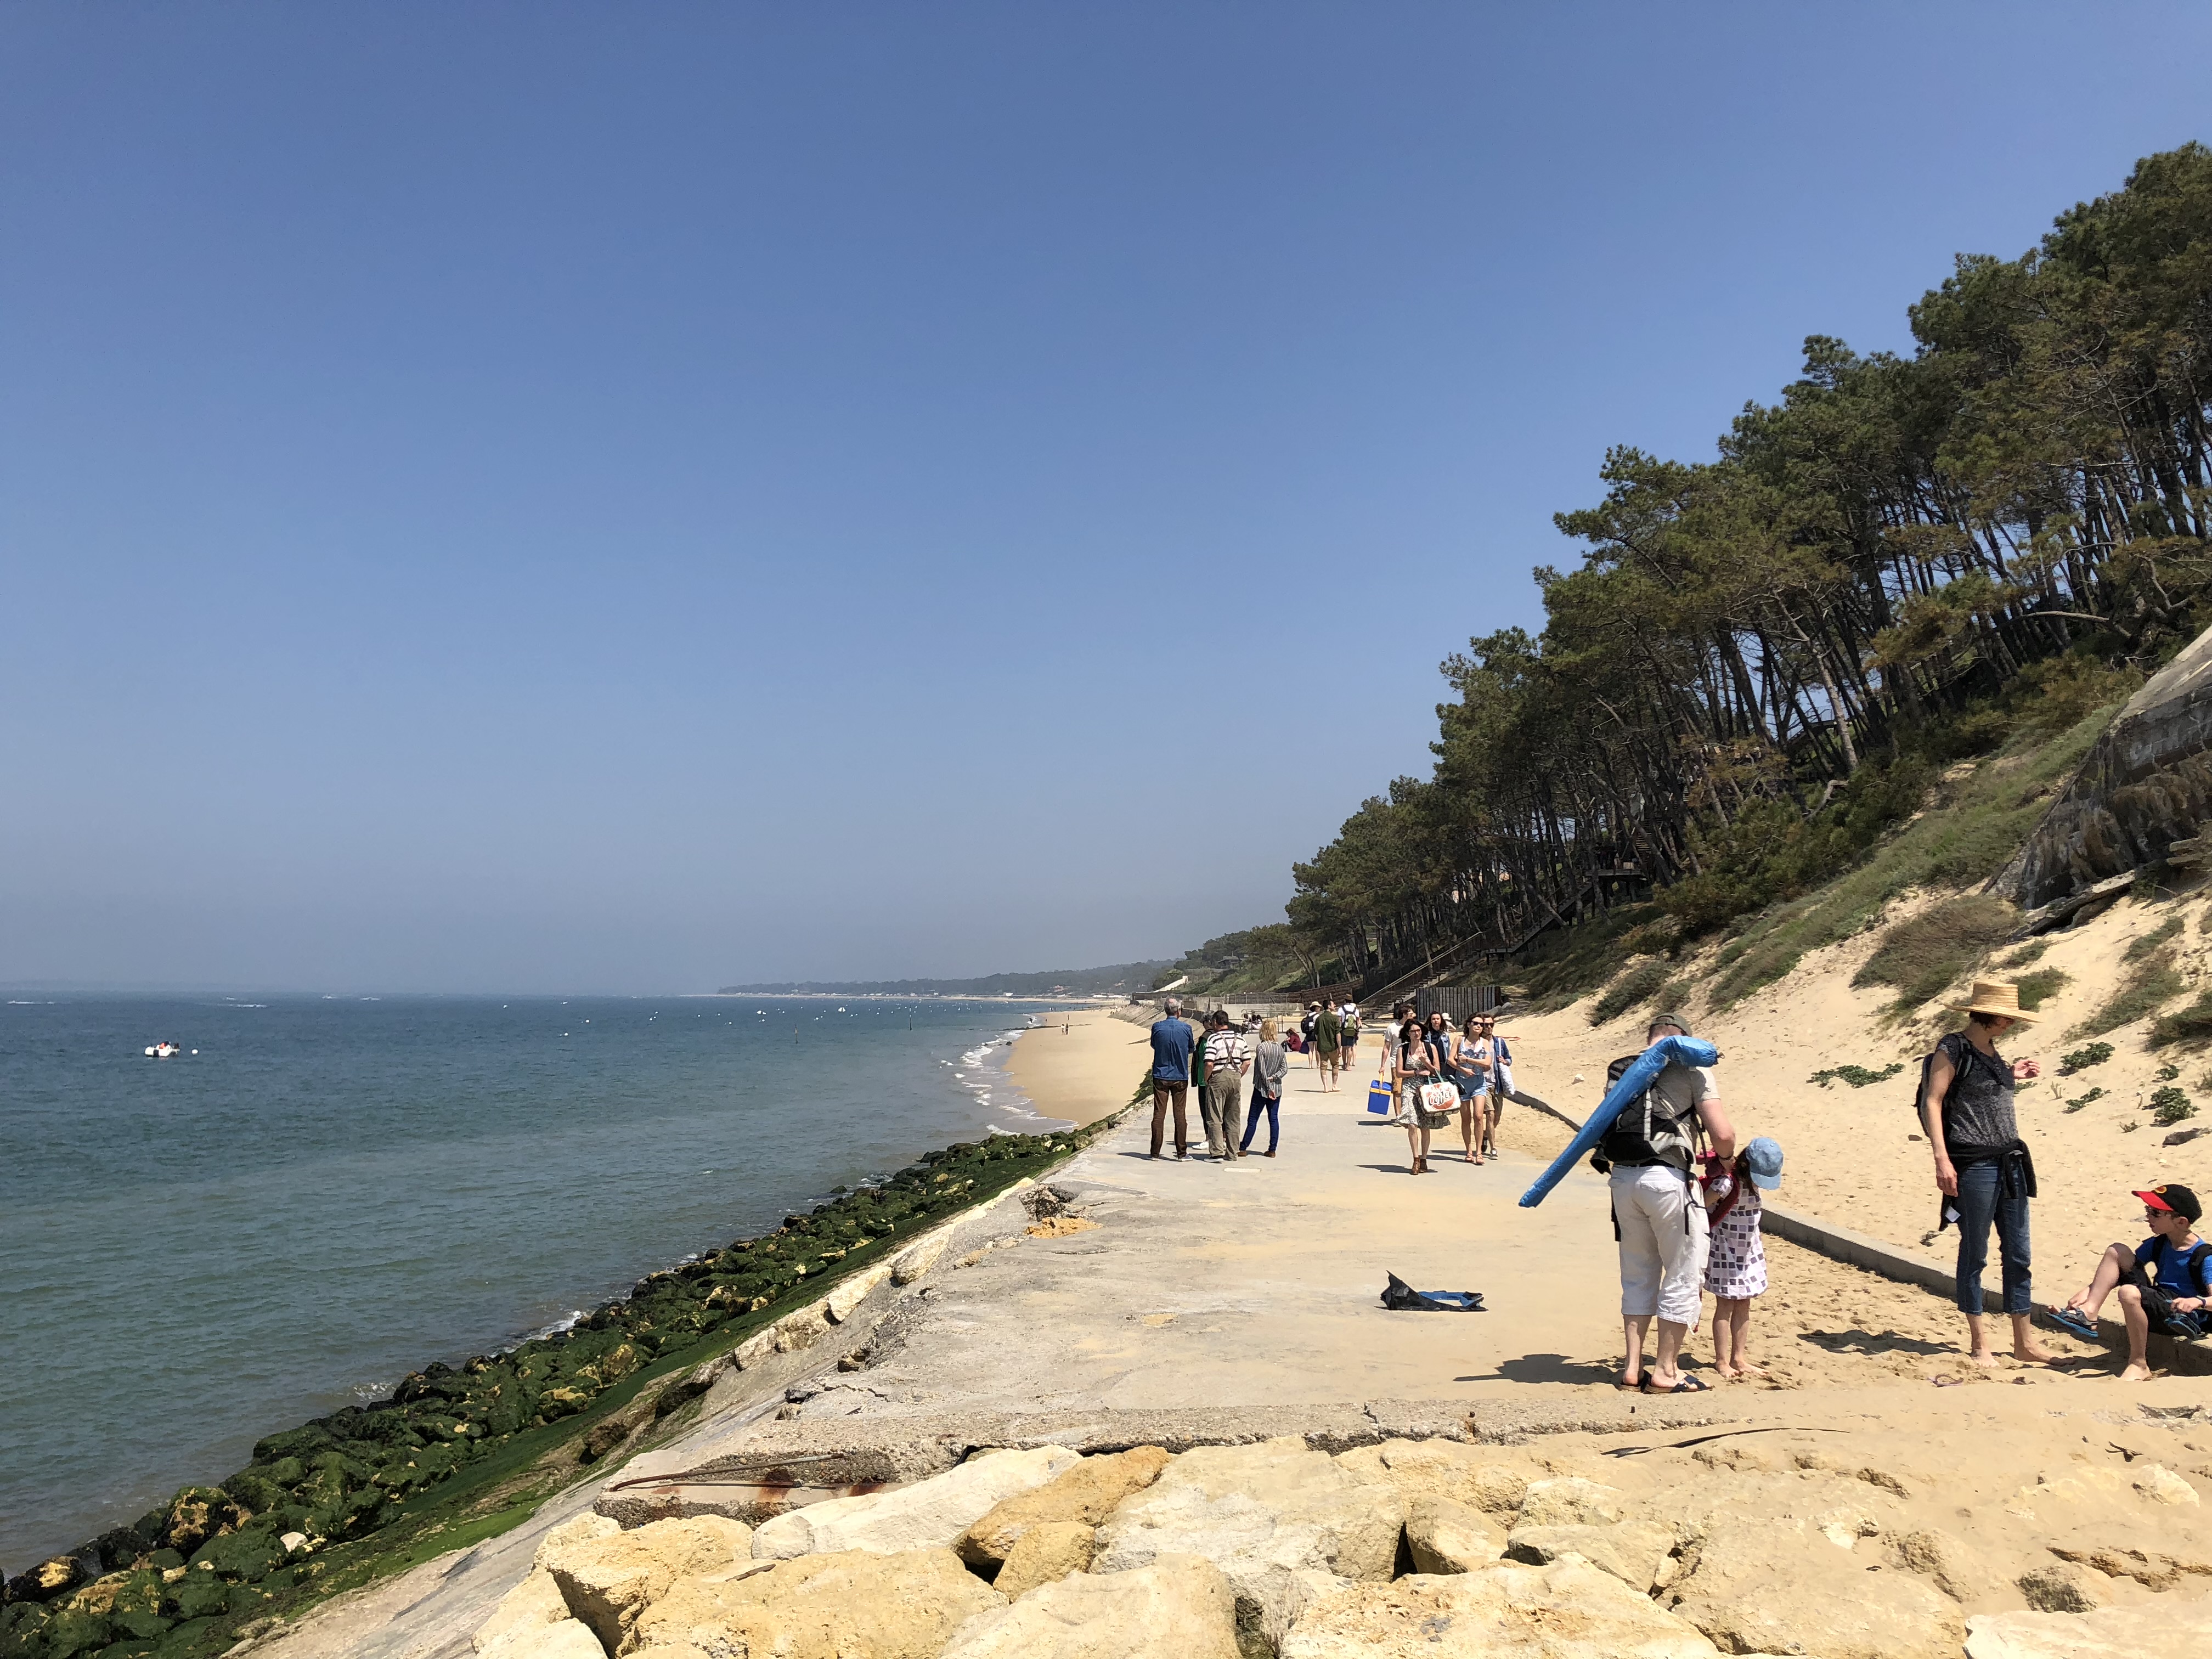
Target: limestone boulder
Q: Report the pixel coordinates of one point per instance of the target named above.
(1567, 1610)
(1782, 1585)
(852, 1291)
(2167, 1625)
(2143, 1523)
(577, 1529)
(532, 1605)
(1637, 1552)
(931, 1514)
(1443, 1536)
(920, 1257)
(1047, 1551)
(1960, 1571)
(1281, 1522)
(565, 1638)
(608, 1582)
(1571, 1501)
(1176, 1606)
(851, 1604)
(2059, 1587)
(1087, 1492)
(1465, 1474)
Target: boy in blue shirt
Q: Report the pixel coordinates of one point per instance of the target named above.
(2165, 1284)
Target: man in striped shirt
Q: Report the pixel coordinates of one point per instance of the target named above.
(1227, 1059)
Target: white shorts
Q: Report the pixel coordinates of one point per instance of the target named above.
(1662, 1244)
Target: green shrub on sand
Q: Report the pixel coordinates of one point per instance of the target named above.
(1920, 957)
(1633, 989)
(2156, 982)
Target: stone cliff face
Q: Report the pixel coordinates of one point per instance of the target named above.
(2146, 784)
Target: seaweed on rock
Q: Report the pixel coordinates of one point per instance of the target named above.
(183, 1579)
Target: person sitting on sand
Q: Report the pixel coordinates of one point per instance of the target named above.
(1982, 1165)
(2165, 1282)
(1735, 1263)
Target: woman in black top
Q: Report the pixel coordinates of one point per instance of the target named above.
(1982, 1165)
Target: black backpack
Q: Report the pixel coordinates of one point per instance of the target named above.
(1961, 1062)
(1650, 1129)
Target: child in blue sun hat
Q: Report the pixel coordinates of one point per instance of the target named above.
(1736, 1260)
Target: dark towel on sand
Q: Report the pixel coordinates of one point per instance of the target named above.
(1401, 1295)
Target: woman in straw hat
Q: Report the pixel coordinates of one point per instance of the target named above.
(1982, 1165)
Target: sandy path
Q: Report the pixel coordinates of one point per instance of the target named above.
(1204, 1283)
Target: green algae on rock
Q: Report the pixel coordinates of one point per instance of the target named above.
(188, 1576)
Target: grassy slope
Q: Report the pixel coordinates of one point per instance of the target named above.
(1977, 823)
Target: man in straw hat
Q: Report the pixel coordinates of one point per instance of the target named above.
(1982, 1166)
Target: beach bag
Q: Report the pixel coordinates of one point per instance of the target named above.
(1440, 1096)
(1381, 1099)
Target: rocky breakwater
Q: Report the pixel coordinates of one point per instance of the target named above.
(1784, 1541)
(319, 1505)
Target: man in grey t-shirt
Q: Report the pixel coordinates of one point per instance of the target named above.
(1661, 1221)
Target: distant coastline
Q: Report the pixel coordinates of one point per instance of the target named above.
(1120, 978)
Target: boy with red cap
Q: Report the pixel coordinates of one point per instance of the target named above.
(2165, 1284)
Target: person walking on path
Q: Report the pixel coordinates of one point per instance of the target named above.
(1735, 1271)
(1172, 1048)
(1227, 1059)
(1650, 1150)
(2165, 1282)
(1491, 1057)
(1271, 1064)
(1983, 1168)
(1455, 1066)
(1327, 1041)
(1413, 1065)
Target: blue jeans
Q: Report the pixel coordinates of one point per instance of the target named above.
(1981, 1201)
(1252, 1121)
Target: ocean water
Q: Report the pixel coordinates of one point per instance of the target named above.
(327, 1194)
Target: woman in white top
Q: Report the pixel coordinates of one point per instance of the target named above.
(1405, 1051)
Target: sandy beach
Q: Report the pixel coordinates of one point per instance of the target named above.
(1853, 1155)
(1080, 1065)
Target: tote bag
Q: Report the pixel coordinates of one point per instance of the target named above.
(1381, 1099)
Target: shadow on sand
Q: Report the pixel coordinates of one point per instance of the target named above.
(1872, 1342)
(1543, 1368)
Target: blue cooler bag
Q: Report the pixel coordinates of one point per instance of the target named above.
(1381, 1099)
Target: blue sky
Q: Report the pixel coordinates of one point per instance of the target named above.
(535, 497)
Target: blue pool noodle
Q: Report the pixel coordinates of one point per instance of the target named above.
(1690, 1051)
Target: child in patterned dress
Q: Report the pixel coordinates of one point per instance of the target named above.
(1736, 1262)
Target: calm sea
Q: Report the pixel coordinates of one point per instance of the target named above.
(199, 1251)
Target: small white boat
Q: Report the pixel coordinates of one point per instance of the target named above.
(163, 1051)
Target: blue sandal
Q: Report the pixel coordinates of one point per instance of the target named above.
(2073, 1323)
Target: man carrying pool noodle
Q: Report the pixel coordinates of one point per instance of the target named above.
(1660, 1220)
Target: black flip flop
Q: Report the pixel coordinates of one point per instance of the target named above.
(1684, 1384)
